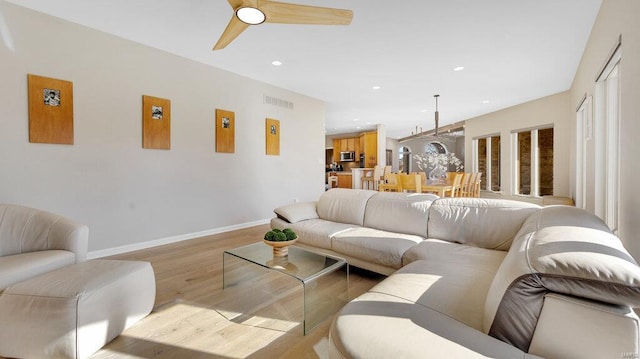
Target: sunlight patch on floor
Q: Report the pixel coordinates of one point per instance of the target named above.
(195, 331)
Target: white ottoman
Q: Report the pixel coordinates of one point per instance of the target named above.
(74, 311)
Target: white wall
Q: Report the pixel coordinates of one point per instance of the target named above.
(616, 18)
(129, 196)
(554, 109)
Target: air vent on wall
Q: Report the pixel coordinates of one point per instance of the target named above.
(270, 100)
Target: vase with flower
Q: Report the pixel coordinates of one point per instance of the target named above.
(435, 165)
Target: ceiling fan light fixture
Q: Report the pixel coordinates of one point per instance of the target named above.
(250, 15)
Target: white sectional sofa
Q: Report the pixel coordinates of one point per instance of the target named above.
(477, 278)
(371, 230)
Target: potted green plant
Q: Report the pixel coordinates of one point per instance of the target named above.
(280, 240)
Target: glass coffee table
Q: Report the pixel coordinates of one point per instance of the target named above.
(324, 279)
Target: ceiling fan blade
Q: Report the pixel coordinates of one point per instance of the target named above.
(235, 4)
(285, 13)
(234, 28)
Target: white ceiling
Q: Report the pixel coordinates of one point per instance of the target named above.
(513, 51)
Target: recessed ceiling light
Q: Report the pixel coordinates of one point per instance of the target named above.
(357, 127)
(376, 87)
(485, 101)
(356, 119)
(250, 15)
(459, 68)
(423, 110)
(276, 63)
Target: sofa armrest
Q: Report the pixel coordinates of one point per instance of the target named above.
(24, 229)
(297, 212)
(68, 235)
(559, 249)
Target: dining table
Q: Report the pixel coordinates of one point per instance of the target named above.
(437, 187)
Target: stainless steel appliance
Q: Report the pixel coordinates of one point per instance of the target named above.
(348, 156)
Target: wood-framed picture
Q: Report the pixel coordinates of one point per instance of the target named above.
(50, 110)
(156, 123)
(272, 136)
(225, 131)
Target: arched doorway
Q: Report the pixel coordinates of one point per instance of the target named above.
(435, 147)
(404, 159)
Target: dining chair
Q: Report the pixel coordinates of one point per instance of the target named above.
(476, 192)
(461, 191)
(471, 187)
(410, 182)
(455, 184)
(391, 184)
(423, 178)
(465, 185)
(387, 170)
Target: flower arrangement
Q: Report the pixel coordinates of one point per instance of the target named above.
(276, 235)
(435, 160)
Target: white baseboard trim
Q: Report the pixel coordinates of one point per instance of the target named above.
(162, 241)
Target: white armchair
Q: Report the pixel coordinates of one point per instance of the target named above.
(33, 242)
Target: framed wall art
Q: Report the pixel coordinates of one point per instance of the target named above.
(156, 123)
(272, 134)
(50, 110)
(225, 131)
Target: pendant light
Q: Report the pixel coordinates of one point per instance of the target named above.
(436, 115)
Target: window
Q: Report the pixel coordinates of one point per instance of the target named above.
(584, 133)
(486, 160)
(434, 148)
(607, 104)
(533, 156)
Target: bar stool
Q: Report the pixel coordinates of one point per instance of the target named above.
(332, 180)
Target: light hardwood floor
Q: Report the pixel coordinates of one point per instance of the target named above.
(189, 319)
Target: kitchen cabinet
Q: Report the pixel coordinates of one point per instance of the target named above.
(370, 142)
(344, 180)
(351, 144)
(366, 143)
(345, 145)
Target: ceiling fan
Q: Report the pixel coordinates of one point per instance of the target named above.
(255, 12)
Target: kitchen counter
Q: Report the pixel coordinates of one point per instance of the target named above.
(355, 180)
(344, 178)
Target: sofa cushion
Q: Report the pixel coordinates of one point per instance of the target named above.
(564, 250)
(313, 232)
(344, 205)
(18, 267)
(453, 279)
(381, 247)
(297, 212)
(73, 311)
(399, 212)
(378, 325)
(486, 223)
